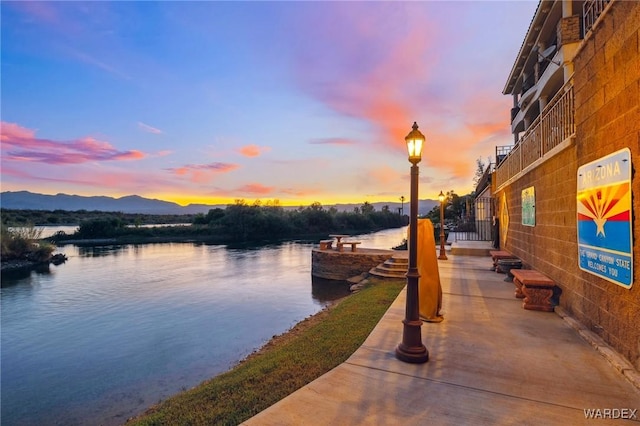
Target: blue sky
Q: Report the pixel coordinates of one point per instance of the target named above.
(215, 101)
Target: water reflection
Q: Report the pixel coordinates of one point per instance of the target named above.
(100, 251)
(23, 275)
(325, 290)
(116, 328)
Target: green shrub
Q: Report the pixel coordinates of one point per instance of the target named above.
(100, 228)
(24, 243)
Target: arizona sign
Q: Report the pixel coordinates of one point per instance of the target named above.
(605, 235)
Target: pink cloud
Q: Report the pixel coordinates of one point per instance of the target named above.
(9, 130)
(20, 144)
(253, 150)
(203, 173)
(372, 74)
(360, 66)
(8, 171)
(255, 188)
(89, 176)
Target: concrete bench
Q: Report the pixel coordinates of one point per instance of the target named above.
(326, 244)
(497, 255)
(353, 245)
(535, 288)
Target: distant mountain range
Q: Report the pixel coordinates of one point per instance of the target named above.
(25, 200)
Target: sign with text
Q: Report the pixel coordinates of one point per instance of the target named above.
(605, 246)
(529, 206)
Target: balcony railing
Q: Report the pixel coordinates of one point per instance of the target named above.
(554, 125)
(591, 9)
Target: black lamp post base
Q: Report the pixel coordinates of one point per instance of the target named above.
(411, 348)
(414, 355)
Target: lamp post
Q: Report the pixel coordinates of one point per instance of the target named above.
(411, 348)
(442, 256)
(402, 204)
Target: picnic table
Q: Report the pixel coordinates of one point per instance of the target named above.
(338, 237)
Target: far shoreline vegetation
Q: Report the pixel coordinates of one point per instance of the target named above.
(238, 223)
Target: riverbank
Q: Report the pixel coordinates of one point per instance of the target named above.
(204, 238)
(17, 264)
(286, 363)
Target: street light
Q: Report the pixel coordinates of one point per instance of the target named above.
(411, 348)
(442, 256)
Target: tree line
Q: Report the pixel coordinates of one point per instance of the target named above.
(20, 217)
(238, 222)
(242, 222)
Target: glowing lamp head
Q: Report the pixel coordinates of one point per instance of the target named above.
(415, 141)
(441, 197)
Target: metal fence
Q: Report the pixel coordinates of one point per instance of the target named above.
(476, 223)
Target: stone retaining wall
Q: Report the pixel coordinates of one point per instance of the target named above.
(334, 265)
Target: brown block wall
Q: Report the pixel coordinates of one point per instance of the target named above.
(568, 30)
(607, 98)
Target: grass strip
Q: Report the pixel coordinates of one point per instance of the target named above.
(288, 362)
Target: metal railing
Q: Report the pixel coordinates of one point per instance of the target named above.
(501, 153)
(555, 124)
(476, 222)
(591, 9)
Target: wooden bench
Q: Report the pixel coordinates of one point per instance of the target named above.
(535, 288)
(353, 245)
(326, 244)
(499, 255)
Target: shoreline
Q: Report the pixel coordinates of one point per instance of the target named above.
(24, 264)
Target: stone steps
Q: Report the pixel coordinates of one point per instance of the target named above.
(394, 268)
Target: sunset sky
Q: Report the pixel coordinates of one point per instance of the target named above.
(208, 102)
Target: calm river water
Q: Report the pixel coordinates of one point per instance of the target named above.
(119, 328)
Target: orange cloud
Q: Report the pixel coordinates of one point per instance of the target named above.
(392, 78)
(385, 175)
(378, 76)
(253, 150)
(300, 193)
(255, 188)
(20, 144)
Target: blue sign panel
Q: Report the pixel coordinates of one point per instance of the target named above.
(605, 245)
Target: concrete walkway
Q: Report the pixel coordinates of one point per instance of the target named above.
(491, 363)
